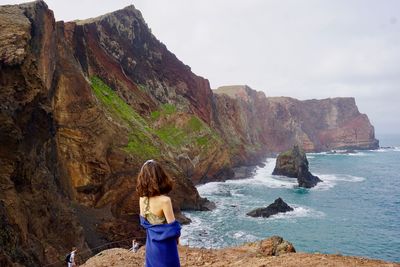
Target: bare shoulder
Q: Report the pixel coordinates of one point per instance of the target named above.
(165, 199)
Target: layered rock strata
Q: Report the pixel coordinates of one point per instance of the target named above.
(278, 123)
(83, 104)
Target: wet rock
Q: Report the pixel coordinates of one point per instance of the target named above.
(293, 163)
(279, 206)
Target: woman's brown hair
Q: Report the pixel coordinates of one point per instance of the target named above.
(152, 180)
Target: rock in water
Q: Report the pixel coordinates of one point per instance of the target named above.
(278, 206)
(294, 163)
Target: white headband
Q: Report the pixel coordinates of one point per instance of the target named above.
(148, 161)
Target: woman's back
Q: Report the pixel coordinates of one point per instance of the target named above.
(151, 208)
(157, 216)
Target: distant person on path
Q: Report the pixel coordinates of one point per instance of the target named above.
(157, 216)
(71, 258)
(135, 245)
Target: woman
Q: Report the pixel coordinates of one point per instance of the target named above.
(157, 216)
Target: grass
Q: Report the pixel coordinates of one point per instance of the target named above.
(116, 104)
(172, 135)
(195, 124)
(140, 144)
(202, 140)
(194, 132)
(140, 135)
(169, 109)
(155, 115)
(166, 110)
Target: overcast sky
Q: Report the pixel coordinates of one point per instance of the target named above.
(303, 49)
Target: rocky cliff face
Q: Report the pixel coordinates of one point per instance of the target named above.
(83, 104)
(278, 123)
(34, 209)
(71, 146)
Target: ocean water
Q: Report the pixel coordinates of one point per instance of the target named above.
(355, 211)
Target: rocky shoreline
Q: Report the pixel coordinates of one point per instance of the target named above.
(84, 105)
(262, 253)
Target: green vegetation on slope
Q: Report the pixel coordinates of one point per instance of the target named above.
(140, 136)
(192, 131)
(115, 104)
(166, 109)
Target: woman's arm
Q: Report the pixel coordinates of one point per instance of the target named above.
(141, 207)
(167, 210)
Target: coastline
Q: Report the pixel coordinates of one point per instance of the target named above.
(324, 208)
(248, 254)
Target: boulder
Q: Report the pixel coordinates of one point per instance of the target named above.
(293, 163)
(275, 246)
(279, 206)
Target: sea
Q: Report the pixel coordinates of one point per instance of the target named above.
(354, 211)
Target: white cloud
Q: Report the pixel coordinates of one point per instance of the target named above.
(304, 49)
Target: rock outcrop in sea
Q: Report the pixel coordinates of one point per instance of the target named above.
(293, 163)
(83, 104)
(279, 206)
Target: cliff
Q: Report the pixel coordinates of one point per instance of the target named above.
(251, 254)
(278, 123)
(83, 104)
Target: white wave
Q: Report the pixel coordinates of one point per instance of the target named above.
(236, 193)
(264, 177)
(339, 153)
(380, 150)
(259, 177)
(209, 188)
(196, 226)
(242, 236)
(316, 153)
(298, 212)
(386, 149)
(357, 154)
(330, 180)
(342, 177)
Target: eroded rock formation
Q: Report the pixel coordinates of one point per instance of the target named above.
(293, 163)
(279, 206)
(278, 123)
(83, 104)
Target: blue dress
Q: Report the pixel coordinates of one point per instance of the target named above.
(161, 247)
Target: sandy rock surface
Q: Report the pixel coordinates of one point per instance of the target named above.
(246, 255)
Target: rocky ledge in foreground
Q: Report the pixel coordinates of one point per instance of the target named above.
(279, 206)
(249, 255)
(294, 163)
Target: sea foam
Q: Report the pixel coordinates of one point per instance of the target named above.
(330, 180)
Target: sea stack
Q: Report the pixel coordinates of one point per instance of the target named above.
(279, 206)
(293, 163)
